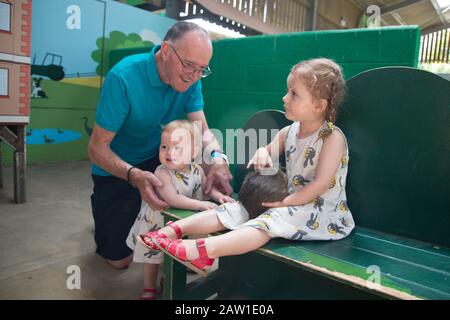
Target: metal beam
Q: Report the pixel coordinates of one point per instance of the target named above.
(393, 14)
(397, 17)
(398, 6)
(311, 18)
(173, 8)
(435, 28)
(439, 11)
(232, 14)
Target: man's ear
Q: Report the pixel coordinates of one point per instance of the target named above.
(165, 50)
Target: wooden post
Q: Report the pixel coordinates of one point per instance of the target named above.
(19, 166)
(175, 277)
(14, 136)
(1, 165)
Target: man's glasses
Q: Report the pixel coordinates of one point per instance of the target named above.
(189, 67)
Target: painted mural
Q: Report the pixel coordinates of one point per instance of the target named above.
(71, 45)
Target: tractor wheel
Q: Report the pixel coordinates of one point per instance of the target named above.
(55, 72)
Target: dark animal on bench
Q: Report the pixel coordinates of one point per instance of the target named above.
(258, 188)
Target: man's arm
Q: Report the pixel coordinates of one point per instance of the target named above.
(218, 172)
(101, 154)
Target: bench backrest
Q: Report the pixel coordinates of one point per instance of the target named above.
(266, 119)
(397, 122)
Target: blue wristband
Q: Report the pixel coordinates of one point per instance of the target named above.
(215, 154)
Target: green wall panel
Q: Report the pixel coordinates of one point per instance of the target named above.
(230, 78)
(267, 78)
(251, 51)
(249, 74)
(290, 48)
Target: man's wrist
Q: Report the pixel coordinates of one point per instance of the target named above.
(130, 175)
(219, 157)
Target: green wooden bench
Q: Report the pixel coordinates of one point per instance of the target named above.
(397, 121)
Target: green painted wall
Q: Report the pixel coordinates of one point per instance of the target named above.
(249, 74)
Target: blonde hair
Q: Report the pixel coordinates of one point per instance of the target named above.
(324, 80)
(187, 125)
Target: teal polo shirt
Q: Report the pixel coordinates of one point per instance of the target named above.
(135, 104)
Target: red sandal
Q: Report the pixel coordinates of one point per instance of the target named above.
(146, 239)
(148, 297)
(176, 250)
(152, 290)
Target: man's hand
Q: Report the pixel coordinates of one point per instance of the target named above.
(146, 182)
(219, 176)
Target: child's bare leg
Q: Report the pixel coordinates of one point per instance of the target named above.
(200, 223)
(235, 242)
(150, 276)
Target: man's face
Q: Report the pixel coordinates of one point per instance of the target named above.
(186, 58)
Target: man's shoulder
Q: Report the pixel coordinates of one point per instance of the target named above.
(130, 63)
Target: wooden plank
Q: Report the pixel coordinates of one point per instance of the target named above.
(402, 275)
(346, 262)
(335, 269)
(8, 136)
(416, 252)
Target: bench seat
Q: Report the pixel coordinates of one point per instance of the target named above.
(409, 269)
(396, 123)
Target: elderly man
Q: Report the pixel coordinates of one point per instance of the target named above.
(141, 94)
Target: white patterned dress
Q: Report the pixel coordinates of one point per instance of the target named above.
(325, 218)
(186, 183)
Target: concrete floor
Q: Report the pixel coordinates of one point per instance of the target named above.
(53, 230)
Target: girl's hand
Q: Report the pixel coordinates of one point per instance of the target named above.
(261, 159)
(206, 205)
(224, 198)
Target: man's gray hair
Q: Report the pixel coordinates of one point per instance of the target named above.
(179, 29)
